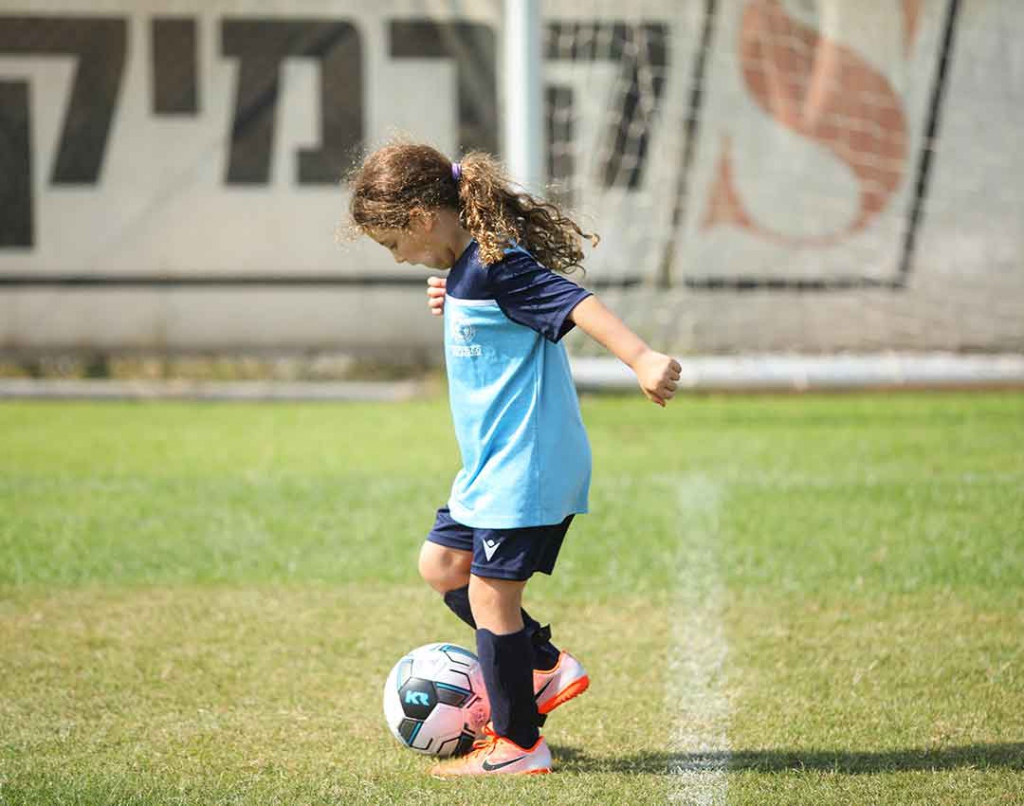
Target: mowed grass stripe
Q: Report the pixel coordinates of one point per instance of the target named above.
(888, 699)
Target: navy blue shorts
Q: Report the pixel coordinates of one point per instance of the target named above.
(502, 553)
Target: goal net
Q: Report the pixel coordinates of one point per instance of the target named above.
(772, 176)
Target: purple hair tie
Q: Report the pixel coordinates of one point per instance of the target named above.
(456, 171)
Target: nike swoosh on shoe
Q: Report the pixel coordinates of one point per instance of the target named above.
(492, 767)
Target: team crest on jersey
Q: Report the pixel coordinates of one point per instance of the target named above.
(464, 334)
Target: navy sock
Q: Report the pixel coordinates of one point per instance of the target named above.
(507, 664)
(458, 602)
(545, 653)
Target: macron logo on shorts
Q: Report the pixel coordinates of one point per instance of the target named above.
(490, 546)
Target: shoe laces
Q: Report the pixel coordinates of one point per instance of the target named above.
(487, 742)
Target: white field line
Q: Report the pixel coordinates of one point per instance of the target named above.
(697, 703)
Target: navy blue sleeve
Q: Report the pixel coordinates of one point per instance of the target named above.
(533, 295)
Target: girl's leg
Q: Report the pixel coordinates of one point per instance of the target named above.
(447, 571)
(506, 657)
(444, 568)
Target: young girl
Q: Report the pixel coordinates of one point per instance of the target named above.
(526, 459)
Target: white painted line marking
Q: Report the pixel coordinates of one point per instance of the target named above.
(697, 703)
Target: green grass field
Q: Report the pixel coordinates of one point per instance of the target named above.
(199, 603)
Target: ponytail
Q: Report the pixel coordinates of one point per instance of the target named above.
(496, 214)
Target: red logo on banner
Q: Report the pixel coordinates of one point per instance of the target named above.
(825, 92)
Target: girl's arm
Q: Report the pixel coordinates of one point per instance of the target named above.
(656, 372)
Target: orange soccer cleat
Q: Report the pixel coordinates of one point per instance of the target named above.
(565, 680)
(496, 755)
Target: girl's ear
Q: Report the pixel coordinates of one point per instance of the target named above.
(421, 220)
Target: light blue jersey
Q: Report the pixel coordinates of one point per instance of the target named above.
(525, 454)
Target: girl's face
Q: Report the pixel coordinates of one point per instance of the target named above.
(419, 244)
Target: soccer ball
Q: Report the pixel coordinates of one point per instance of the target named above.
(435, 701)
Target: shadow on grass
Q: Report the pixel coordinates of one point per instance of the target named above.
(1008, 756)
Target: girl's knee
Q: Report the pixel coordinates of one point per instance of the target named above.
(497, 603)
(444, 569)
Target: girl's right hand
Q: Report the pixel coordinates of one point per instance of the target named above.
(435, 295)
(658, 375)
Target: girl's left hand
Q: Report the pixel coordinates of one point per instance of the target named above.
(658, 375)
(435, 295)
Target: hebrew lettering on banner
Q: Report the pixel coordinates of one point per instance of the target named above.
(194, 139)
(97, 45)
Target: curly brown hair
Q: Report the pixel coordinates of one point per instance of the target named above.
(402, 178)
